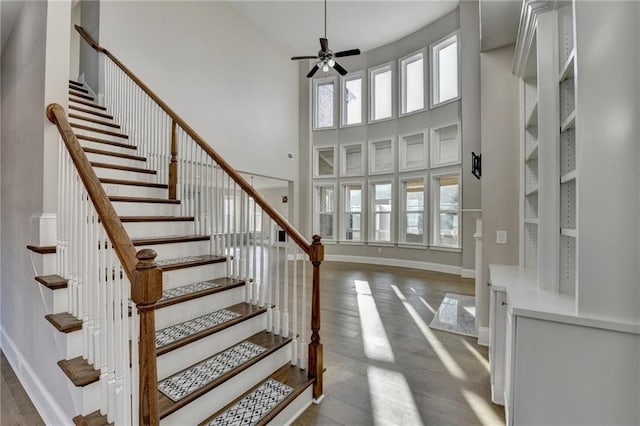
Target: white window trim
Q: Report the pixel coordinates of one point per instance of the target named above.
(434, 140)
(343, 111)
(402, 151)
(435, 209)
(371, 98)
(434, 73)
(342, 205)
(401, 83)
(316, 157)
(314, 93)
(372, 171)
(402, 209)
(371, 216)
(316, 212)
(343, 159)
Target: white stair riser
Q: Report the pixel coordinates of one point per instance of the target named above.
(74, 344)
(48, 264)
(157, 229)
(203, 407)
(91, 397)
(110, 159)
(102, 172)
(60, 301)
(295, 408)
(136, 191)
(101, 136)
(179, 359)
(180, 277)
(146, 209)
(95, 125)
(175, 250)
(105, 147)
(194, 308)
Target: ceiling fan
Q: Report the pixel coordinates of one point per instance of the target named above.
(325, 55)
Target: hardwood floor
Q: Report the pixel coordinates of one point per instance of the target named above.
(16, 408)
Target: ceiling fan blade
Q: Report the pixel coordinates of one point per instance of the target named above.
(337, 67)
(324, 44)
(313, 71)
(296, 58)
(351, 52)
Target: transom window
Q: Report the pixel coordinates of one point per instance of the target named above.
(352, 99)
(323, 103)
(412, 83)
(381, 92)
(444, 72)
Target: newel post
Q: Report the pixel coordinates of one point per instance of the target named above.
(146, 291)
(173, 163)
(316, 255)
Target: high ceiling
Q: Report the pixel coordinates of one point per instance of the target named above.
(9, 12)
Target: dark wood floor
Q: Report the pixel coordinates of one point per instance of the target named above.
(384, 365)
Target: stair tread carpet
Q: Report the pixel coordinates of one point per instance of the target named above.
(79, 371)
(106, 142)
(41, 249)
(53, 282)
(263, 402)
(188, 262)
(94, 120)
(132, 183)
(90, 104)
(183, 387)
(88, 111)
(195, 290)
(178, 335)
(64, 322)
(169, 239)
(125, 168)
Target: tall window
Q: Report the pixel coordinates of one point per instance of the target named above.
(381, 92)
(352, 99)
(413, 210)
(446, 190)
(381, 211)
(324, 208)
(352, 214)
(323, 103)
(444, 75)
(412, 83)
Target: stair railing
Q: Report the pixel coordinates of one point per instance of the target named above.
(105, 274)
(263, 248)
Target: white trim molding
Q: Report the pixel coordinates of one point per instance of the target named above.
(401, 263)
(483, 335)
(468, 273)
(526, 31)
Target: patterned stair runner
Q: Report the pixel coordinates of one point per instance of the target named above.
(176, 332)
(189, 289)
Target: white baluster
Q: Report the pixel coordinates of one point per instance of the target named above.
(285, 302)
(294, 296)
(270, 277)
(303, 342)
(276, 308)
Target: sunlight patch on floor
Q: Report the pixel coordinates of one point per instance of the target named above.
(483, 410)
(447, 360)
(383, 382)
(374, 338)
(427, 305)
(476, 354)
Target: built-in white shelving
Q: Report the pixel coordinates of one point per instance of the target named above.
(569, 122)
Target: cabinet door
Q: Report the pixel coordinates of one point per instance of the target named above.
(510, 364)
(497, 320)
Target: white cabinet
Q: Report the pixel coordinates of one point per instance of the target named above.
(497, 320)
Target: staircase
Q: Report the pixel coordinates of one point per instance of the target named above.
(177, 305)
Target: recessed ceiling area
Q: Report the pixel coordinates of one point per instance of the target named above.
(297, 25)
(499, 21)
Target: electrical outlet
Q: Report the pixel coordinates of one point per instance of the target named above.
(501, 237)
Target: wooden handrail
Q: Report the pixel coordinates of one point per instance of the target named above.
(295, 235)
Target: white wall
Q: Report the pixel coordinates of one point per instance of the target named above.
(235, 88)
(500, 164)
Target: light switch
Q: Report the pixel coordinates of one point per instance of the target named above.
(501, 237)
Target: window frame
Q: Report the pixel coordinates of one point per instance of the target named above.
(343, 159)
(371, 198)
(316, 212)
(372, 170)
(314, 102)
(343, 110)
(402, 83)
(342, 205)
(434, 140)
(435, 208)
(434, 79)
(402, 151)
(316, 157)
(402, 209)
(371, 92)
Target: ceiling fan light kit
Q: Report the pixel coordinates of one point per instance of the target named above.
(325, 55)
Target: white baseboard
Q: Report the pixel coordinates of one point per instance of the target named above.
(483, 336)
(45, 403)
(403, 263)
(468, 273)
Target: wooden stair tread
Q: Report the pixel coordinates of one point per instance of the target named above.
(94, 419)
(106, 142)
(64, 322)
(179, 335)
(94, 120)
(53, 282)
(113, 154)
(133, 183)
(41, 249)
(189, 262)
(131, 219)
(87, 103)
(196, 290)
(126, 199)
(78, 88)
(124, 168)
(96, 130)
(88, 111)
(268, 341)
(170, 239)
(81, 95)
(79, 371)
(288, 375)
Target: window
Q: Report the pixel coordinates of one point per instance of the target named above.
(381, 156)
(413, 152)
(324, 208)
(352, 160)
(352, 212)
(444, 73)
(257, 210)
(446, 202)
(413, 209)
(352, 99)
(323, 103)
(381, 212)
(324, 161)
(445, 145)
(381, 92)
(412, 83)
